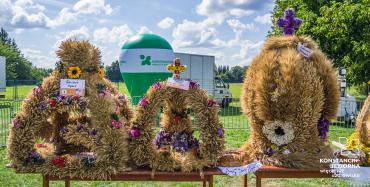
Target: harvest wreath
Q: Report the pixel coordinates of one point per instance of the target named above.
(174, 147)
(79, 135)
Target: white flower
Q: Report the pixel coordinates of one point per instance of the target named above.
(279, 132)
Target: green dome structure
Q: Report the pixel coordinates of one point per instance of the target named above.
(143, 61)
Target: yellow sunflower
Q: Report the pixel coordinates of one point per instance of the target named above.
(74, 72)
(101, 72)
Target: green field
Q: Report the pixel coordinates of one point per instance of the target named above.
(237, 132)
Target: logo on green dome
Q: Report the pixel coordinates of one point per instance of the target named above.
(145, 60)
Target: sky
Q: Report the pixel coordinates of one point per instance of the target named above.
(231, 30)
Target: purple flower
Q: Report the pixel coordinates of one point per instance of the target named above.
(63, 131)
(93, 132)
(60, 98)
(323, 127)
(156, 85)
(193, 84)
(269, 151)
(280, 22)
(42, 106)
(289, 22)
(220, 132)
(16, 123)
(289, 13)
(162, 138)
(135, 132)
(143, 102)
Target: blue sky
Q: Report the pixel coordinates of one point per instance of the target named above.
(231, 30)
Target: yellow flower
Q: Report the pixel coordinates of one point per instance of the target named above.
(274, 147)
(74, 72)
(101, 72)
(275, 92)
(277, 80)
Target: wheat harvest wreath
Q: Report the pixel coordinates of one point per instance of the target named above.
(84, 135)
(174, 148)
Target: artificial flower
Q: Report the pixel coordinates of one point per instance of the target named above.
(52, 102)
(101, 72)
(211, 103)
(16, 123)
(74, 72)
(116, 124)
(220, 132)
(156, 86)
(135, 132)
(278, 132)
(36, 90)
(323, 127)
(143, 102)
(58, 161)
(193, 84)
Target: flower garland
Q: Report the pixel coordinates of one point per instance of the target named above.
(187, 154)
(72, 123)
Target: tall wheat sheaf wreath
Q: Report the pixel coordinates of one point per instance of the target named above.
(142, 150)
(82, 136)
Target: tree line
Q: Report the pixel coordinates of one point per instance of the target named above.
(234, 74)
(17, 66)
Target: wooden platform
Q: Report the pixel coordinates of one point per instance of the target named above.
(146, 175)
(278, 172)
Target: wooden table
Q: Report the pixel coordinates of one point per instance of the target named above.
(278, 172)
(146, 175)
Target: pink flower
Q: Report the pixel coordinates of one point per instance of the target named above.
(156, 85)
(211, 103)
(143, 102)
(16, 123)
(116, 124)
(36, 90)
(135, 132)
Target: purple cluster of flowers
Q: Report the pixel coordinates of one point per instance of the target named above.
(193, 84)
(180, 141)
(33, 158)
(289, 23)
(64, 100)
(323, 127)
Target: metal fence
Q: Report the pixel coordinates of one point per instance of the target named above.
(231, 117)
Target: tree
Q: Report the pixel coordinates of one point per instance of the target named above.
(113, 73)
(17, 66)
(342, 29)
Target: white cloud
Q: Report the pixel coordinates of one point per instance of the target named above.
(166, 23)
(38, 59)
(92, 7)
(247, 46)
(117, 34)
(195, 34)
(27, 14)
(144, 30)
(264, 19)
(80, 34)
(238, 26)
(236, 8)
